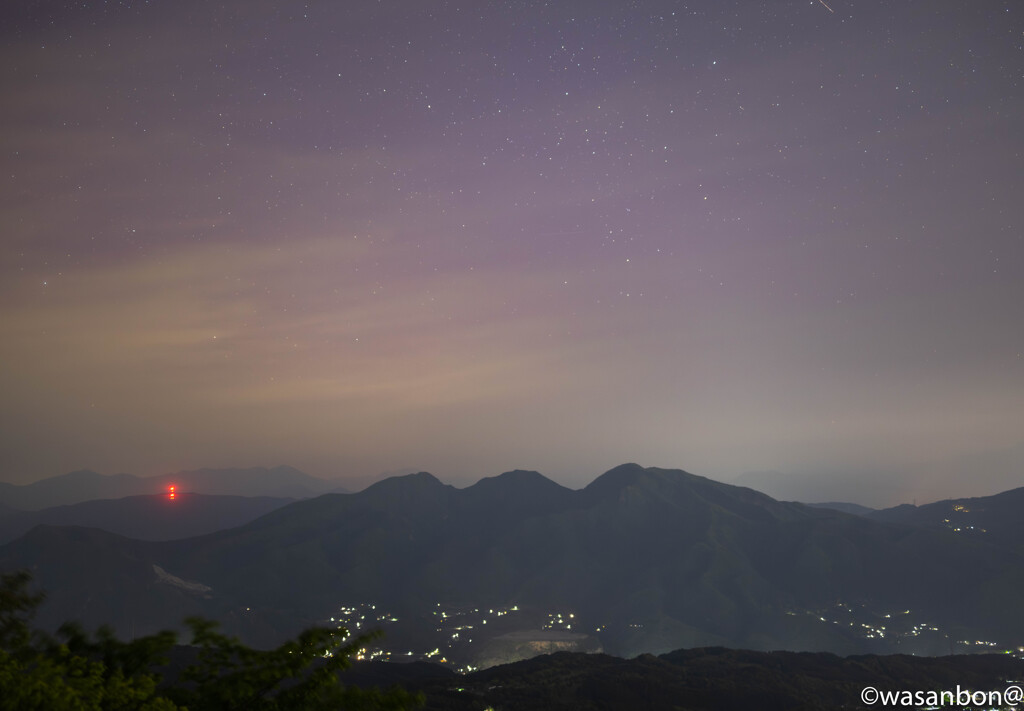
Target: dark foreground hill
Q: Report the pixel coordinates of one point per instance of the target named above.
(155, 517)
(647, 560)
(709, 679)
(703, 679)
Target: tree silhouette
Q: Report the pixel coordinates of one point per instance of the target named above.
(100, 672)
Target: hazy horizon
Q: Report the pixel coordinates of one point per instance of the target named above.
(880, 493)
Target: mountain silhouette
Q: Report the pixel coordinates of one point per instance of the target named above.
(659, 559)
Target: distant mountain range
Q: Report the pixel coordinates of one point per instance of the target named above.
(648, 560)
(86, 485)
(152, 517)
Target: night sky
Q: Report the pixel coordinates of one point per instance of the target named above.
(777, 243)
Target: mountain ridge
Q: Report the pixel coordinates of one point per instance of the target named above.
(995, 518)
(657, 559)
